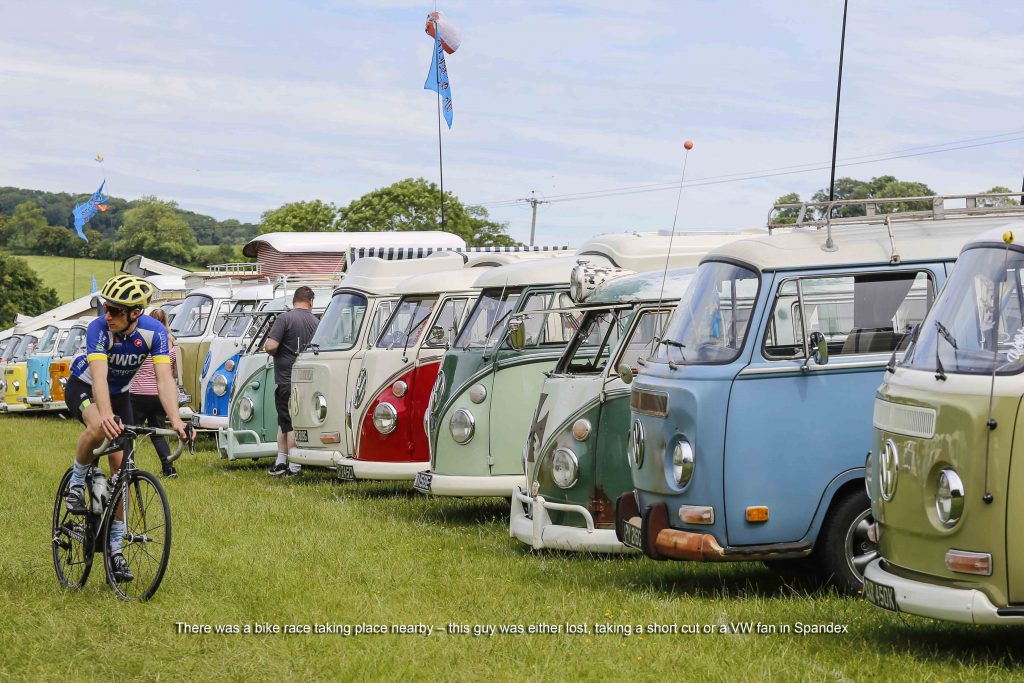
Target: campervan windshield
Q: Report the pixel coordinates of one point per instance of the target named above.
(48, 339)
(407, 322)
(73, 342)
(599, 332)
(977, 325)
(488, 318)
(191, 318)
(711, 321)
(237, 321)
(339, 327)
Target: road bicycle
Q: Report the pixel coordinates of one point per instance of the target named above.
(141, 499)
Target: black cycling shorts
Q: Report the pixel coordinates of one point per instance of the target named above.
(284, 418)
(78, 396)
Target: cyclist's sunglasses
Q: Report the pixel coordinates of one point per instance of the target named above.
(114, 311)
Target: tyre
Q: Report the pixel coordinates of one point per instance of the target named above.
(147, 537)
(72, 538)
(844, 549)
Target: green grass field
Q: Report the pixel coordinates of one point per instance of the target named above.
(57, 271)
(251, 550)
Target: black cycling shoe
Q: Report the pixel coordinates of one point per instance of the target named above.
(122, 573)
(278, 469)
(74, 500)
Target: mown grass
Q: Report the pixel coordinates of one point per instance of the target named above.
(72, 278)
(248, 549)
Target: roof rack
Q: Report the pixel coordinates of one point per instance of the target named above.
(284, 283)
(234, 268)
(887, 210)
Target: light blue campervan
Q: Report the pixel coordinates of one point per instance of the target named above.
(751, 421)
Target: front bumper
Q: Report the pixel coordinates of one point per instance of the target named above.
(13, 407)
(530, 523)
(389, 471)
(315, 457)
(501, 486)
(203, 421)
(235, 444)
(42, 404)
(965, 605)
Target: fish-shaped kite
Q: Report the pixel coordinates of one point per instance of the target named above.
(87, 209)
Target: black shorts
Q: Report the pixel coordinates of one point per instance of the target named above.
(284, 418)
(78, 396)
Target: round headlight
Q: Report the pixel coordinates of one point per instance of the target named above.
(581, 429)
(477, 393)
(17, 385)
(385, 418)
(462, 426)
(319, 407)
(293, 402)
(564, 468)
(949, 498)
(682, 463)
(229, 364)
(35, 377)
(635, 450)
(63, 382)
(399, 388)
(246, 408)
(220, 384)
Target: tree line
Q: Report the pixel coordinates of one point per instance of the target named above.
(37, 222)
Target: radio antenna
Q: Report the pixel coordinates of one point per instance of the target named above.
(829, 244)
(687, 145)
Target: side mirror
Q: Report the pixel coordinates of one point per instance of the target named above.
(516, 333)
(819, 348)
(625, 373)
(436, 335)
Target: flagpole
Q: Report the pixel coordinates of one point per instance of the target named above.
(437, 77)
(74, 276)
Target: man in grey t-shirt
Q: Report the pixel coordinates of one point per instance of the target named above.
(292, 332)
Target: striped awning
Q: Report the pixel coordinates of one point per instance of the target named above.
(273, 262)
(400, 253)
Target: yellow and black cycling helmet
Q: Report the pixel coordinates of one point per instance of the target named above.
(127, 291)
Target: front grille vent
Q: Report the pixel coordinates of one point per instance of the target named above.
(903, 419)
(654, 403)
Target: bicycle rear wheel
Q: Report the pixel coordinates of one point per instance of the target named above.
(72, 541)
(147, 538)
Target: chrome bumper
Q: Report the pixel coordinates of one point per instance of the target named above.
(530, 523)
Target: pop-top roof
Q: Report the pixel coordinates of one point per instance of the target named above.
(994, 236)
(374, 275)
(643, 287)
(461, 280)
(912, 241)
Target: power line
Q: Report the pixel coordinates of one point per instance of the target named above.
(773, 172)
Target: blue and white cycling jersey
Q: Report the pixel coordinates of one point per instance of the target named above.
(124, 354)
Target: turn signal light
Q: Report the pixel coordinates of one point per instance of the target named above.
(330, 437)
(697, 514)
(757, 513)
(966, 562)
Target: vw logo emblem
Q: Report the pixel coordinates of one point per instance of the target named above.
(360, 387)
(888, 468)
(636, 444)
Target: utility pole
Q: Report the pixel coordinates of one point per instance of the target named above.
(533, 202)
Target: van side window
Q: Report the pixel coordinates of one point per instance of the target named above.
(640, 343)
(858, 314)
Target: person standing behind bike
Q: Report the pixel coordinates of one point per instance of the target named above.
(116, 345)
(146, 406)
(290, 333)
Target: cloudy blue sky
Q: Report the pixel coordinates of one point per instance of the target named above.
(233, 108)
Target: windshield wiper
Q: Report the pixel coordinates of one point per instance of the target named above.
(316, 349)
(940, 373)
(674, 344)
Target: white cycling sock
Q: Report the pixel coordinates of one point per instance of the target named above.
(294, 467)
(116, 536)
(282, 458)
(78, 474)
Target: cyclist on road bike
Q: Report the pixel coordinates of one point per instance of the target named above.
(97, 390)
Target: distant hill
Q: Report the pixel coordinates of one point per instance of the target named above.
(57, 207)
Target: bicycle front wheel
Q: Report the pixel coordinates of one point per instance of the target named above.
(72, 540)
(147, 537)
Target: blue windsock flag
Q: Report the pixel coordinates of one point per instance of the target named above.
(94, 285)
(87, 209)
(437, 79)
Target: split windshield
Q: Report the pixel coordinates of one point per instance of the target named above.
(73, 342)
(238, 319)
(192, 317)
(977, 324)
(488, 318)
(599, 332)
(11, 347)
(341, 322)
(407, 323)
(26, 347)
(47, 340)
(711, 322)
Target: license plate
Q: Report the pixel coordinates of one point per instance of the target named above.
(195, 420)
(881, 596)
(631, 536)
(422, 482)
(301, 436)
(346, 472)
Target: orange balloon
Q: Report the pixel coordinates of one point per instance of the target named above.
(688, 145)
